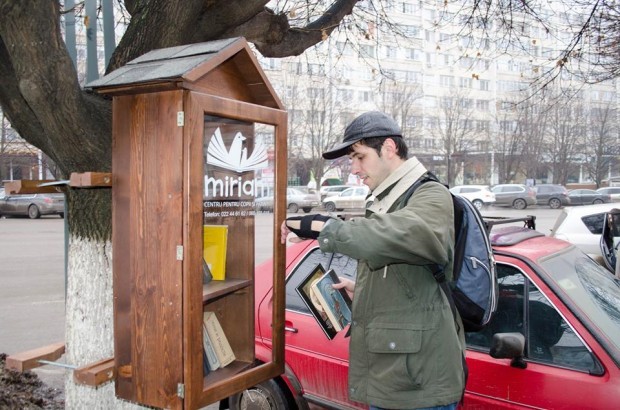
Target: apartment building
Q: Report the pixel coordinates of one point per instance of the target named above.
(471, 100)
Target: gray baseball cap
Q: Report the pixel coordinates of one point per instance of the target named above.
(368, 125)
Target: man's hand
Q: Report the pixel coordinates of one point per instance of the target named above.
(346, 284)
(305, 227)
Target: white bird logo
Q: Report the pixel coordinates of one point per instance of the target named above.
(236, 157)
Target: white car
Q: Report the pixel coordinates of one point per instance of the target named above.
(582, 226)
(354, 197)
(479, 195)
(613, 192)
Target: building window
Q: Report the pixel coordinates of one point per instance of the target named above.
(390, 52)
(482, 105)
(484, 85)
(446, 80)
(316, 69)
(367, 50)
(465, 82)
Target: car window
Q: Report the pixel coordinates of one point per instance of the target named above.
(524, 309)
(594, 223)
(348, 192)
(343, 266)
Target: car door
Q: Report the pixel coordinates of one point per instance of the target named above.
(320, 364)
(359, 198)
(502, 195)
(13, 204)
(560, 367)
(577, 197)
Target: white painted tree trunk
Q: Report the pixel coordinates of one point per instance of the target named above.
(89, 322)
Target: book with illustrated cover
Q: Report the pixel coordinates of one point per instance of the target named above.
(335, 302)
(304, 289)
(215, 241)
(212, 359)
(218, 339)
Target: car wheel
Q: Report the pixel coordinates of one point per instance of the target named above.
(265, 396)
(555, 203)
(33, 212)
(598, 201)
(307, 209)
(369, 204)
(293, 208)
(330, 207)
(478, 203)
(519, 204)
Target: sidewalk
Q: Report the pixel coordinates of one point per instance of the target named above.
(32, 295)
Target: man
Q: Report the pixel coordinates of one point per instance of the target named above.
(405, 349)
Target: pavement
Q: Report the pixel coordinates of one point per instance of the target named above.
(32, 290)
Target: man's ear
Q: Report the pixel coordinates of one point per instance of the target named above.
(390, 146)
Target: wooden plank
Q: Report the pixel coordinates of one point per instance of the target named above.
(29, 186)
(30, 359)
(90, 179)
(147, 229)
(95, 374)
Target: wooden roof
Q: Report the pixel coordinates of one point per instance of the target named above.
(216, 67)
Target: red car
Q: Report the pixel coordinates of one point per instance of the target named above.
(565, 305)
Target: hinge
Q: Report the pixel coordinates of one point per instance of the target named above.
(180, 118)
(180, 252)
(181, 390)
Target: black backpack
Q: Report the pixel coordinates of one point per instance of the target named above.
(473, 290)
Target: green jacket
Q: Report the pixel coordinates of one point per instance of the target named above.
(405, 352)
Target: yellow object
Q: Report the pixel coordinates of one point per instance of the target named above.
(215, 238)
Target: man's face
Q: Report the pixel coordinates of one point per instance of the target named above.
(368, 165)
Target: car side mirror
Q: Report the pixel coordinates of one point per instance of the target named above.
(610, 240)
(509, 346)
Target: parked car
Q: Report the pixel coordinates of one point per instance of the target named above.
(518, 196)
(550, 292)
(353, 197)
(479, 195)
(587, 197)
(32, 205)
(582, 226)
(331, 190)
(295, 200)
(556, 196)
(613, 192)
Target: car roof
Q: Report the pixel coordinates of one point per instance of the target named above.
(534, 247)
(589, 209)
(470, 186)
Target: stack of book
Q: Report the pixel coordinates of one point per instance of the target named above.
(217, 350)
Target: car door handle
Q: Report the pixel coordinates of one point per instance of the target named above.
(291, 329)
(288, 326)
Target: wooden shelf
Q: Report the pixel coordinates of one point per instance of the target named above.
(225, 373)
(218, 288)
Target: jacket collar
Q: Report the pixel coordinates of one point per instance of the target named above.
(396, 184)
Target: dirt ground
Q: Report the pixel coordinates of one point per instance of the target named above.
(26, 391)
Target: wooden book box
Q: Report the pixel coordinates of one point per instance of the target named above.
(194, 127)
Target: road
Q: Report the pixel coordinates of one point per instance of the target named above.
(33, 279)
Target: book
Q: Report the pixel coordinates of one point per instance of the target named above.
(205, 364)
(223, 351)
(206, 272)
(335, 302)
(308, 296)
(215, 238)
(212, 359)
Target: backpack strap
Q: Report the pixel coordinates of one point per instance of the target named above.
(438, 272)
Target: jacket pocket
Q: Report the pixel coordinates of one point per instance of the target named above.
(395, 364)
